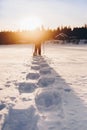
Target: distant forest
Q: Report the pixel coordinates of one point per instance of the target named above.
(18, 37)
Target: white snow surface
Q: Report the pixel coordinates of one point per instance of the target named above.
(47, 92)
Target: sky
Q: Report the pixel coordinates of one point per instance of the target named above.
(28, 14)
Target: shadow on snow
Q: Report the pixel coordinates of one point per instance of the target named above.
(55, 99)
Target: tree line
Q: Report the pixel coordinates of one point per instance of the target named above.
(18, 37)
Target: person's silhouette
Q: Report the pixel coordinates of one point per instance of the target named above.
(37, 42)
(37, 49)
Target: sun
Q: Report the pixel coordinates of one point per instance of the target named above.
(30, 23)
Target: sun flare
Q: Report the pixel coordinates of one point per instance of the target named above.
(30, 23)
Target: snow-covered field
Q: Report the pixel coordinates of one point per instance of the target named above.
(43, 93)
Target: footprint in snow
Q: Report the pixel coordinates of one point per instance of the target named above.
(44, 65)
(45, 70)
(35, 62)
(33, 76)
(2, 106)
(35, 67)
(7, 85)
(21, 119)
(48, 100)
(46, 81)
(37, 58)
(26, 87)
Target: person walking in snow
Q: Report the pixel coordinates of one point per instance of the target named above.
(37, 48)
(37, 43)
